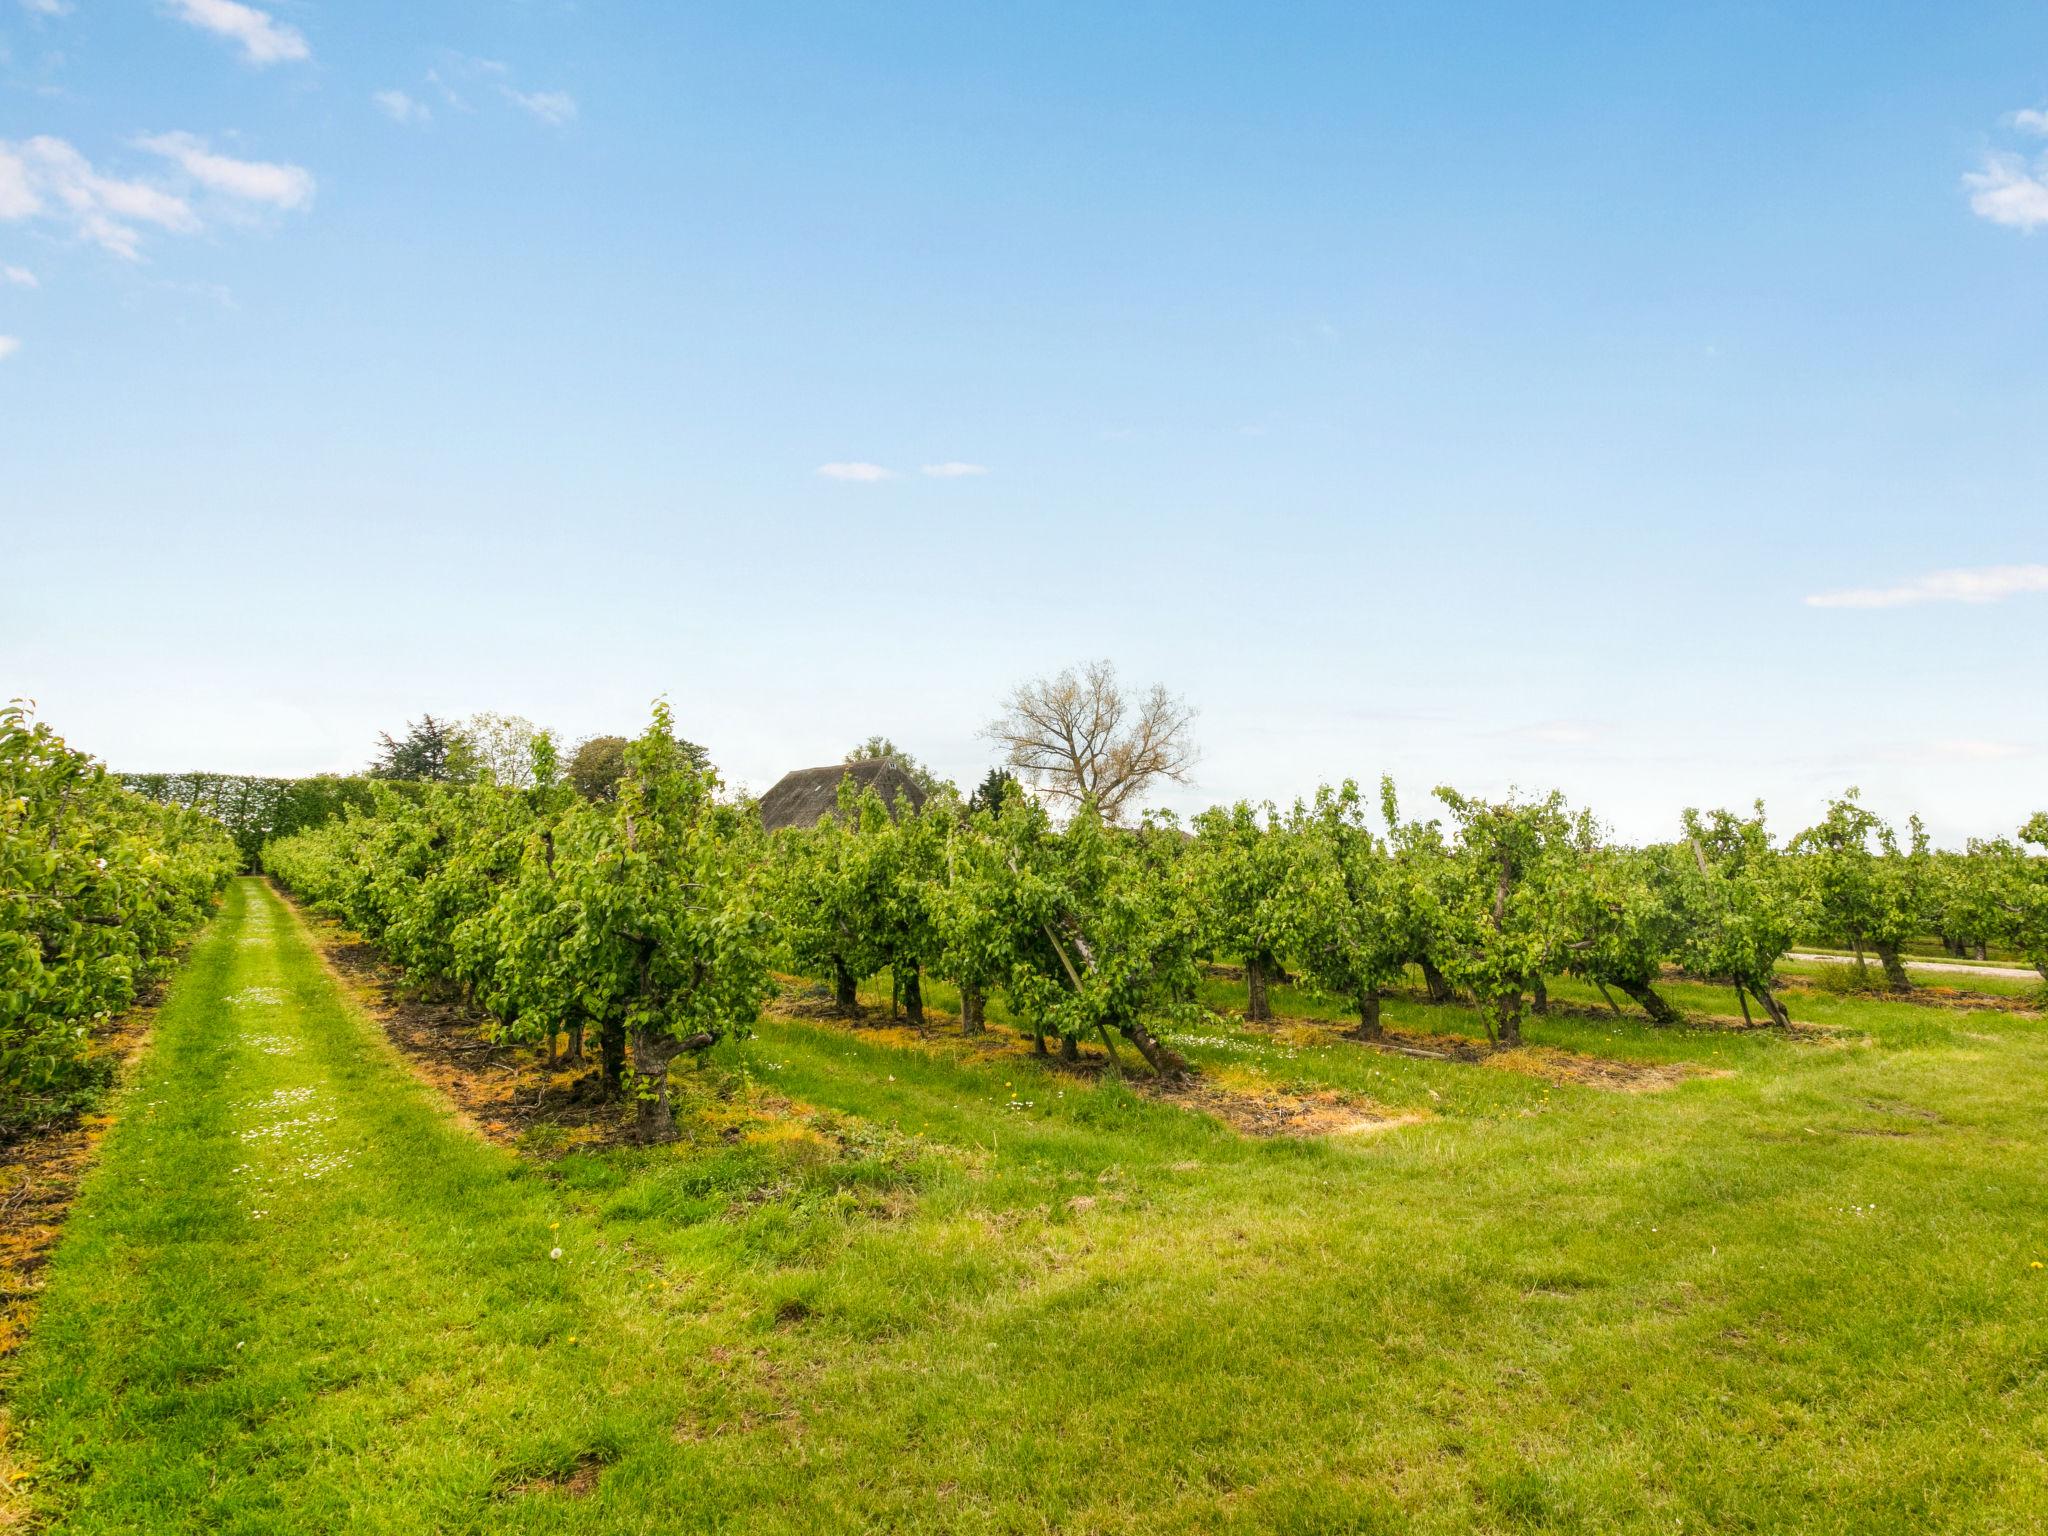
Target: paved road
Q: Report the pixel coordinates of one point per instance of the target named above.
(1955, 967)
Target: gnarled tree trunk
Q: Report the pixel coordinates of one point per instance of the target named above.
(1540, 1001)
(1762, 992)
(1160, 1059)
(1258, 1008)
(1647, 998)
(973, 1009)
(1894, 969)
(843, 996)
(1433, 979)
(652, 1054)
(1504, 1009)
(1069, 1050)
(913, 996)
(1369, 1017)
(611, 1055)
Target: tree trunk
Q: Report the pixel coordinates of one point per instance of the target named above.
(576, 1042)
(1894, 969)
(843, 996)
(973, 1009)
(1161, 1060)
(1369, 1016)
(1763, 994)
(1258, 1009)
(611, 1055)
(1432, 978)
(1069, 1050)
(1978, 952)
(1646, 998)
(651, 1057)
(913, 996)
(1540, 1003)
(1611, 1003)
(1507, 1019)
(1037, 1040)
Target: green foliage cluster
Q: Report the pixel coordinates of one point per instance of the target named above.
(97, 885)
(654, 910)
(638, 918)
(252, 808)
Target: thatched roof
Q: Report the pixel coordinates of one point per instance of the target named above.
(800, 798)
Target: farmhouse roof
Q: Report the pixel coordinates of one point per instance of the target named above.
(800, 797)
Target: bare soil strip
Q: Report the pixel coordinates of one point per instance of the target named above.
(502, 1092)
(39, 1178)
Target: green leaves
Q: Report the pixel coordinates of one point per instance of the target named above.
(96, 885)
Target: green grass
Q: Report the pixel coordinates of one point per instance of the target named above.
(957, 1293)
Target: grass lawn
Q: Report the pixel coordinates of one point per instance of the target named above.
(885, 1285)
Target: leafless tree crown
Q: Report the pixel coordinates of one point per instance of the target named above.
(1076, 737)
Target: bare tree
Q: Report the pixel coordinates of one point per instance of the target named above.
(1076, 737)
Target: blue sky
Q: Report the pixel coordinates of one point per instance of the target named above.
(1477, 393)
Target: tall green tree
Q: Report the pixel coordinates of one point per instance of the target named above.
(1241, 864)
(1745, 903)
(1508, 899)
(1868, 888)
(672, 944)
(1121, 931)
(432, 751)
(1347, 902)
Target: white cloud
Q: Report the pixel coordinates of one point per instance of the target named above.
(47, 7)
(2007, 191)
(19, 277)
(9, 345)
(953, 469)
(2031, 120)
(552, 107)
(18, 199)
(854, 470)
(401, 108)
(250, 181)
(1983, 584)
(47, 176)
(264, 39)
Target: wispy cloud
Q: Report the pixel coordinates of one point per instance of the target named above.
(953, 469)
(552, 107)
(855, 470)
(401, 108)
(47, 7)
(1981, 584)
(9, 345)
(2031, 120)
(264, 39)
(46, 177)
(461, 73)
(250, 181)
(18, 277)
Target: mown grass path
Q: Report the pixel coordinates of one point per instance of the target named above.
(940, 1292)
(296, 1296)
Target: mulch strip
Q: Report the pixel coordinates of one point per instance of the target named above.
(504, 1092)
(39, 1178)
